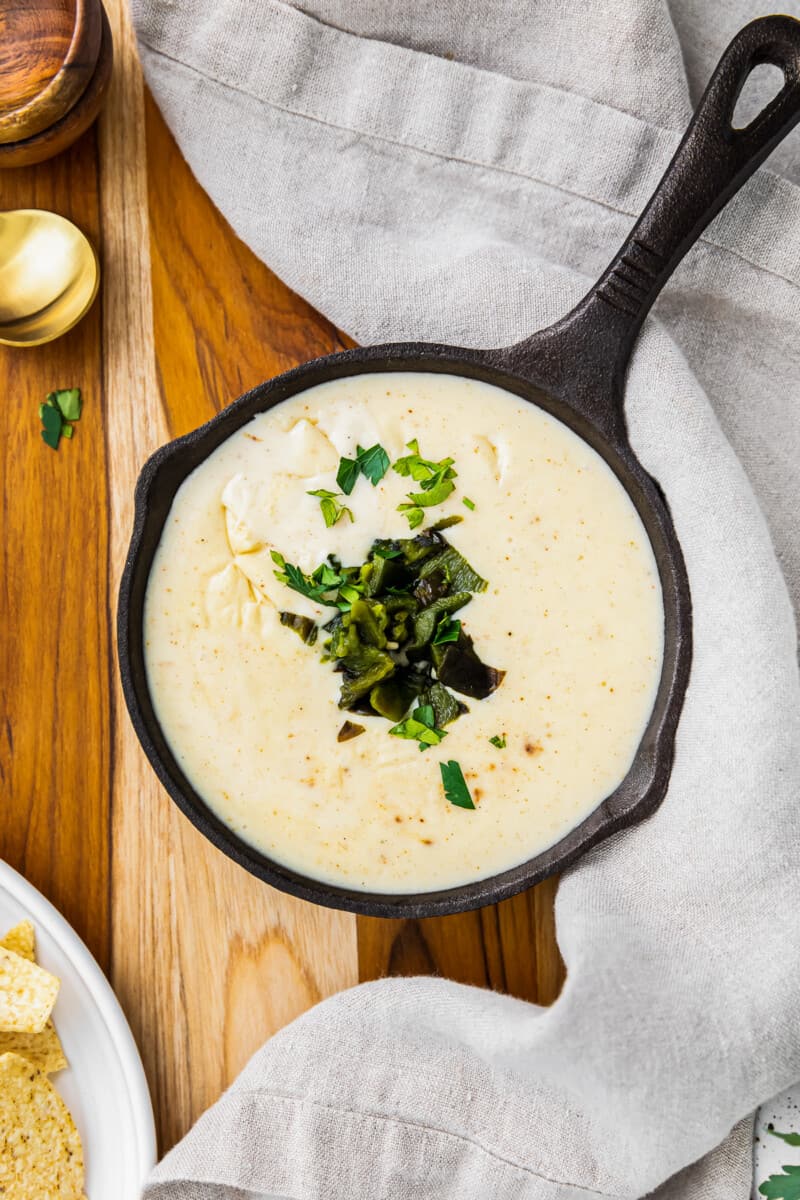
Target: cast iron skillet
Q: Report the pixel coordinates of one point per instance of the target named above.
(575, 370)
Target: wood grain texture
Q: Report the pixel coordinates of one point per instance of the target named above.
(48, 54)
(65, 129)
(207, 961)
(224, 323)
(509, 947)
(55, 746)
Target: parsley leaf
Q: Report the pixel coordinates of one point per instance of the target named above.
(51, 419)
(414, 514)
(424, 713)
(455, 785)
(373, 463)
(348, 592)
(420, 726)
(347, 475)
(447, 630)
(59, 408)
(68, 401)
(791, 1139)
(437, 493)
(326, 575)
(330, 507)
(782, 1187)
(435, 480)
(499, 740)
(470, 504)
(314, 587)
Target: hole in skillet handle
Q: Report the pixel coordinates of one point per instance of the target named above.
(579, 365)
(762, 86)
(583, 358)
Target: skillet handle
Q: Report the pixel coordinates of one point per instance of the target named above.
(585, 355)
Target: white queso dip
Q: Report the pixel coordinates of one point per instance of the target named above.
(571, 614)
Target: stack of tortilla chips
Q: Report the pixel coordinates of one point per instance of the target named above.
(40, 1149)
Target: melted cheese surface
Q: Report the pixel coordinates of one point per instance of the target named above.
(573, 614)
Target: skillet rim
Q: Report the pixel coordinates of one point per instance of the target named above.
(644, 786)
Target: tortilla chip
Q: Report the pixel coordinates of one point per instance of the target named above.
(40, 1148)
(21, 940)
(27, 994)
(43, 1049)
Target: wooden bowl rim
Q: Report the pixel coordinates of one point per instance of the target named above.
(63, 90)
(64, 132)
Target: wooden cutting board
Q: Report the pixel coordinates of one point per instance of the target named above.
(207, 961)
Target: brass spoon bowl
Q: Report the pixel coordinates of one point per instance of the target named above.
(49, 276)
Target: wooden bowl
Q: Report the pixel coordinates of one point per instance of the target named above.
(55, 66)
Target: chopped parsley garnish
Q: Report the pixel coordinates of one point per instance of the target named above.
(347, 475)
(58, 410)
(394, 640)
(447, 630)
(330, 507)
(315, 587)
(435, 480)
(52, 422)
(420, 726)
(69, 403)
(470, 504)
(455, 785)
(348, 593)
(372, 463)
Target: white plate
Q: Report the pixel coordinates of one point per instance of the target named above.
(104, 1085)
(772, 1154)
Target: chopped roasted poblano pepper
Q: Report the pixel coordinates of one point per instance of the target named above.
(394, 639)
(349, 731)
(304, 627)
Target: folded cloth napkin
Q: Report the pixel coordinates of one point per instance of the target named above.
(455, 171)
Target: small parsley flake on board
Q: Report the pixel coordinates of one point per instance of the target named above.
(59, 409)
(499, 740)
(455, 785)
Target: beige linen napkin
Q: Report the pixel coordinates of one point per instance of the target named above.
(455, 171)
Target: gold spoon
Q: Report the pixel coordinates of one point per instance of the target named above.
(49, 275)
